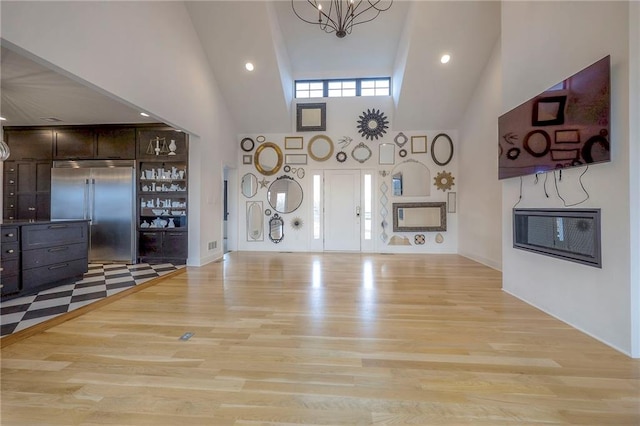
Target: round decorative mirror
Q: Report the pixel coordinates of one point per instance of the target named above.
(247, 144)
(249, 185)
(372, 124)
(284, 195)
(442, 149)
(268, 158)
(361, 152)
(320, 147)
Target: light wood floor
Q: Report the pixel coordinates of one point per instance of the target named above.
(289, 338)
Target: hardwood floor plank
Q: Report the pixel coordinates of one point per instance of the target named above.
(327, 339)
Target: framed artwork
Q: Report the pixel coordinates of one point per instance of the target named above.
(247, 159)
(295, 158)
(418, 144)
(548, 111)
(293, 142)
(311, 117)
(567, 136)
(451, 202)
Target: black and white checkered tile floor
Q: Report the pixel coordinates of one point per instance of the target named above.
(99, 282)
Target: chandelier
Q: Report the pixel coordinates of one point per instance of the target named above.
(339, 16)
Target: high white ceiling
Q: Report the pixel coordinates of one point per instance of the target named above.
(405, 42)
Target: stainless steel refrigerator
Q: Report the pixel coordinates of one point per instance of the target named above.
(103, 192)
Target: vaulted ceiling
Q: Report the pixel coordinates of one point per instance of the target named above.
(405, 42)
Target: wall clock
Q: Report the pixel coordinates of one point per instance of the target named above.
(372, 124)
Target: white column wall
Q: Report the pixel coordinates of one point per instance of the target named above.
(480, 196)
(148, 55)
(543, 43)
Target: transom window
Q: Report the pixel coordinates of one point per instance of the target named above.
(340, 88)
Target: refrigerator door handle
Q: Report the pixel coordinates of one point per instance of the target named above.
(93, 202)
(85, 203)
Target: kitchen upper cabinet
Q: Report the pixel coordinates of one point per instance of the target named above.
(29, 144)
(74, 144)
(117, 143)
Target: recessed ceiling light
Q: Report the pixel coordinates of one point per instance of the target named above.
(445, 58)
(144, 114)
(249, 66)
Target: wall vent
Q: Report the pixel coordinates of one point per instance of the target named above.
(569, 234)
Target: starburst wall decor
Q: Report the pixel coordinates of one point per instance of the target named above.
(372, 124)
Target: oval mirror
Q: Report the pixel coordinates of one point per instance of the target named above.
(411, 178)
(268, 158)
(276, 228)
(284, 195)
(320, 147)
(442, 149)
(361, 152)
(249, 185)
(255, 228)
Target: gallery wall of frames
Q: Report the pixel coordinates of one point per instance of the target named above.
(411, 176)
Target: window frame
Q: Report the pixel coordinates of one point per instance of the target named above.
(325, 86)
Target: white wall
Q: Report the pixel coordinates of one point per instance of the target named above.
(543, 43)
(480, 196)
(148, 55)
(342, 117)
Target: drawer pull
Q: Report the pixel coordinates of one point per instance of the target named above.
(52, 250)
(12, 181)
(57, 226)
(58, 266)
(31, 209)
(10, 251)
(9, 235)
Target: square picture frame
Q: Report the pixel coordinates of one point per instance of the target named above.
(247, 159)
(311, 117)
(418, 144)
(294, 142)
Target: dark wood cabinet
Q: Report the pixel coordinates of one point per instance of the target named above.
(116, 143)
(37, 256)
(163, 246)
(74, 144)
(29, 144)
(27, 190)
(9, 260)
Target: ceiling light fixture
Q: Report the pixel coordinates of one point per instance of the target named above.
(248, 66)
(341, 15)
(144, 114)
(445, 58)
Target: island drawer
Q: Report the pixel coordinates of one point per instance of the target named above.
(51, 255)
(54, 234)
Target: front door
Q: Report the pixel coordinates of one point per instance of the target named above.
(342, 210)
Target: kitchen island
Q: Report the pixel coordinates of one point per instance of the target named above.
(42, 254)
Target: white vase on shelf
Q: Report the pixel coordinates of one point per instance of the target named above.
(171, 224)
(172, 147)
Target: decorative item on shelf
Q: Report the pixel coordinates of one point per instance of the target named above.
(171, 223)
(144, 224)
(401, 140)
(341, 15)
(439, 238)
(372, 124)
(296, 223)
(419, 239)
(341, 157)
(172, 147)
(444, 181)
